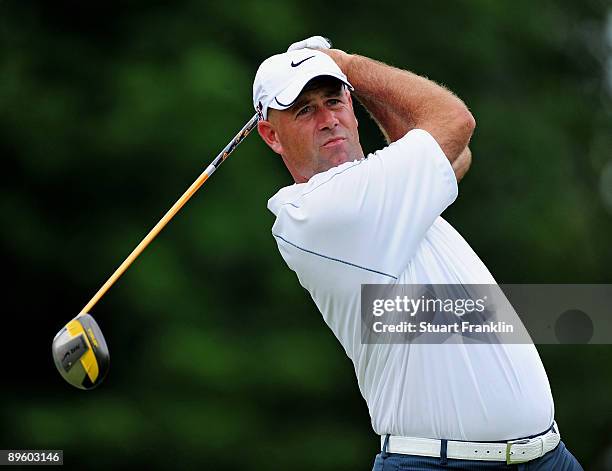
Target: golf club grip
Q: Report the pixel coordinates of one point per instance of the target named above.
(224, 154)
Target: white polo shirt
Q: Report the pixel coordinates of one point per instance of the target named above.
(377, 220)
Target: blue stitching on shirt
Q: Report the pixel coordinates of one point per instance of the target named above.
(291, 203)
(334, 259)
(333, 176)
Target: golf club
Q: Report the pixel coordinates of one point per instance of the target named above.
(79, 349)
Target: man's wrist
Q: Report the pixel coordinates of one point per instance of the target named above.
(341, 58)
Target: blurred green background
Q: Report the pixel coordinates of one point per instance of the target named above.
(108, 112)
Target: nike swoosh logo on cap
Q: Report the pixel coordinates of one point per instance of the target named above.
(295, 64)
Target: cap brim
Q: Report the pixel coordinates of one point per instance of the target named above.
(289, 95)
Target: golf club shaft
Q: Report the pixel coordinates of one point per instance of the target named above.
(244, 132)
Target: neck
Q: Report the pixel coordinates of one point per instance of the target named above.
(298, 177)
(302, 176)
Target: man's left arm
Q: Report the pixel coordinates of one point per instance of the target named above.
(462, 163)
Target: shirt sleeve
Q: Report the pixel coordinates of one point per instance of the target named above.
(370, 215)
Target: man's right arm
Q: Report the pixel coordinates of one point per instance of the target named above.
(400, 100)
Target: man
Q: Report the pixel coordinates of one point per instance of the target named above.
(350, 220)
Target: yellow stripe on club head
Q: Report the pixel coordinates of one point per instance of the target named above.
(88, 360)
(90, 364)
(75, 328)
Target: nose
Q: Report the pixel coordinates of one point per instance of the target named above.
(327, 119)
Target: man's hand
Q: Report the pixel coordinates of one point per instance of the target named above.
(462, 163)
(313, 42)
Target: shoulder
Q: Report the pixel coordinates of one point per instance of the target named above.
(415, 143)
(321, 187)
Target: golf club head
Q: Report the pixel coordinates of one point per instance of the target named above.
(80, 352)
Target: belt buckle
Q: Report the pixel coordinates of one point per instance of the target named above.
(509, 444)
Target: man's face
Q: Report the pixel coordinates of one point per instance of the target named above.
(317, 133)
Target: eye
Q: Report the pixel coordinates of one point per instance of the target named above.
(303, 111)
(333, 101)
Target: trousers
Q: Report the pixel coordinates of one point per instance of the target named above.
(559, 459)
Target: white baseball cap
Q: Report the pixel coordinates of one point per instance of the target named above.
(281, 78)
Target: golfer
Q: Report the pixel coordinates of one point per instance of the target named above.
(350, 220)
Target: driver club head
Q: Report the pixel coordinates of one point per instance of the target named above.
(80, 352)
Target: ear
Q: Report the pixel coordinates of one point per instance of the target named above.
(269, 135)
